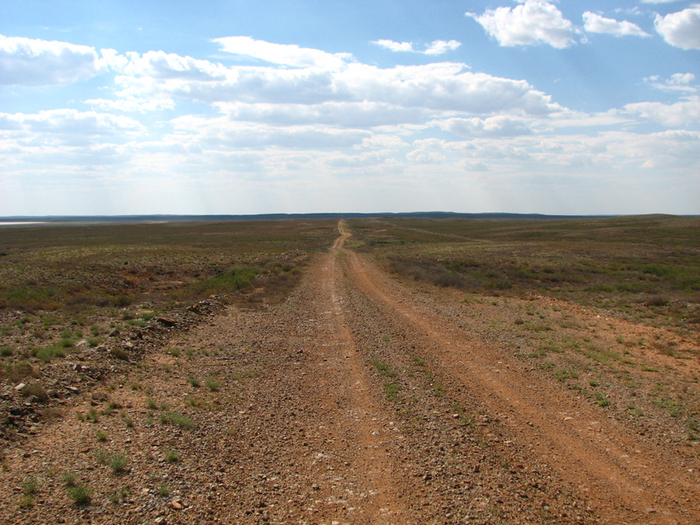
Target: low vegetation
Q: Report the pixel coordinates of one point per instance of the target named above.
(522, 281)
(68, 291)
(645, 268)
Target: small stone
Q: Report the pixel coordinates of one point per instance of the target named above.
(177, 504)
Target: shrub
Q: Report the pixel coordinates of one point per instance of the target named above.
(232, 280)
(47, 353)
(35, 389)
(101, 456)
(602, 400)
(69, 478)
(212, 384)
(80, 494)
(119, 354)
(30, 486)
(118, 463)
(174, 418)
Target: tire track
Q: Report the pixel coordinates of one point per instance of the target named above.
(624, 478)
(355, 420)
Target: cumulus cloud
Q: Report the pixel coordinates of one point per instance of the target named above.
(361, 114)
(445, 86)
(132, 105)
(532, 22)
(33, 62)
(161, 65)
(383, 141)
(70, 121)
(436, 47)
(282, 54)
(361, 160)
(435, 86)
(439, 47)
(681, 29)
(677, 82)
(500, 126)
(673, 148)
(594, 23)
(684, 112)
(395, 46)
(427, 151)
(222, 132)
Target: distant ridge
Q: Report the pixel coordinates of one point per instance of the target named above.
(281, 216)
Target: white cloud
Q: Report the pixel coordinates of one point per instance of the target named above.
(532, 22)
(607, 152)
(680, 113)
(659, 1)
(443, 86)
(69, 122)
(678, 82)
(578, 119)
(161, 65)
(132, 105)
(440, 47)
(383, 141)
(427, 151)
(681, 29)
(32, 62)
(282, 54)
(395, 46)
(500, 126)
(361, 160)
(668, 149)
(205, 82)
(222, 132)
(429, 87)
(436, 47)
(594, 23)
(343, 114)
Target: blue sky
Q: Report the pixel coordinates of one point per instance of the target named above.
(559, 107)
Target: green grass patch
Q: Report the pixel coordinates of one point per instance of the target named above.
(80, 494)
(180, 420)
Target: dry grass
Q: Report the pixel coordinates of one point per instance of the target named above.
(646, 268)
(80, 268)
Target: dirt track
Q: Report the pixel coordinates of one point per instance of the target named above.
(358, 400)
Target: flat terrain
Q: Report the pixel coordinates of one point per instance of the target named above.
(417, 372)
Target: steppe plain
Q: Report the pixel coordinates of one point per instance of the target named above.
(375, 370)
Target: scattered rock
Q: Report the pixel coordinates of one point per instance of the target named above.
(177, 504)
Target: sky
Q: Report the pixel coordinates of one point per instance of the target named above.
(245, 107)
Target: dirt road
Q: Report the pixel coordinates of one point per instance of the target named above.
(360, 399)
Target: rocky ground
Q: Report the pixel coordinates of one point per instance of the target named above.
(366, 399)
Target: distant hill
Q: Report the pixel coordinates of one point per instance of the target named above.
(280, 216)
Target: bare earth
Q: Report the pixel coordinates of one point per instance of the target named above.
(360, 399)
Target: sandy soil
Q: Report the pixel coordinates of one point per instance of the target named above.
(360, 399)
